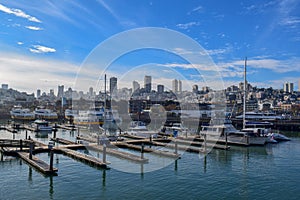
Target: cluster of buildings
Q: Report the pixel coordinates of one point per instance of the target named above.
(284, 100)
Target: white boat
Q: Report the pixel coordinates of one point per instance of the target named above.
(20, 113)
(92, 118)
(268, 116)
(42, 113)
(138, 128)
(177, 129)
(42, 127)
(219, 132)
(69, 113)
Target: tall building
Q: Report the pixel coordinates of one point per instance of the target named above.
(175, 86)
(288, 87)
(160, 89)
(147, 83)
(299, 85)
(51, 93)
(179, 86)
(4, 86)
(38, 93)
(91, 91)
(135, 86)
(113, 85)
(60, 91)
(195, 89)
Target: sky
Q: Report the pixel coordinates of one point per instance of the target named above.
(44, 44)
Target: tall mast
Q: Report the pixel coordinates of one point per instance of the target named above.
(104, 104)
(244, 103)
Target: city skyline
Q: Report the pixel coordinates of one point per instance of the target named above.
(52, 40)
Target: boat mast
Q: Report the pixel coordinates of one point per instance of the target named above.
(244, 103)
(104, 104)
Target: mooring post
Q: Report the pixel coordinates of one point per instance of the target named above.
(51, 159)
(78, 131)
(30, 150)
(226, 145)
(205, 142)
(54, 131)
(142, 151)
(150, 138)
(21, 145)
(176, 147)
(104, 153)
(26, 135)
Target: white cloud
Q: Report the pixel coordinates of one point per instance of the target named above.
(20, 43)
(18, 13)
(41, 49)
(27, 73)
(34, 28)
(187, 25)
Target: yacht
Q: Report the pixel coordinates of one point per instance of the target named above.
(20, 113)
(226, 131)
(42, 127)
(92, 118)
(177, 129)
(42, 113)
(138, 128)
(260, 116)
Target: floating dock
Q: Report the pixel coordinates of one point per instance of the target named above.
(37, 164)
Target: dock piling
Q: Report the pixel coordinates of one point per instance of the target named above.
(30, 150)
(26, 135)
(104, 153)
(176, 147)
(51, 160)
(21, 145)
(142, 151)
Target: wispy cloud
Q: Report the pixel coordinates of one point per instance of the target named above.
(18, 13)
(187, 25)
(41, 49)
(20, 43)
(34, 28)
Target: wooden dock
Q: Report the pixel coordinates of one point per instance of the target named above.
(84, 157)
(37, 164)
(147, 150)
(63, 141)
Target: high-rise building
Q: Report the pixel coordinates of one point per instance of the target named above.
(51, 93)
(60, 91)
(113, 84)
(91, 91)
(160, 89)
(175, 86)
(38, 93)
(179, 86)
(195, 89)
(299, 85)
(288, 87)
(135, 86)
(4, 86)
(147, 83)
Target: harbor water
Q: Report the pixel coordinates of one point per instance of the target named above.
(269, 172)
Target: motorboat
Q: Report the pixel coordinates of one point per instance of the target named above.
(267, 116)
(42, 127)
(20, 113)
(43, 113)
(91, 118)
(222, 132)
(177, 129)
(139, 128)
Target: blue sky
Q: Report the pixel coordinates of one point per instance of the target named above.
(45, 43)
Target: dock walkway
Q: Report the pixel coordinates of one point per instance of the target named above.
(37, 163)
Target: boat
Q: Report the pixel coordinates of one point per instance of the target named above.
(139, 128)
(20, 113)
(69, 114)
(267, 116)
(177, 129)
(222, 132)
(91, 118)
(42, 127)
(43, 113)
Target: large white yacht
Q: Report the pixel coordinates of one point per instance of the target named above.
(20, 113)
(43, 113)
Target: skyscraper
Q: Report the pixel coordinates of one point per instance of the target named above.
(160, 89)
(60, 91)
(113, 85)
(175, 86)
(288, 87)
(135, 86)
(147, 83)
(38, 93)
